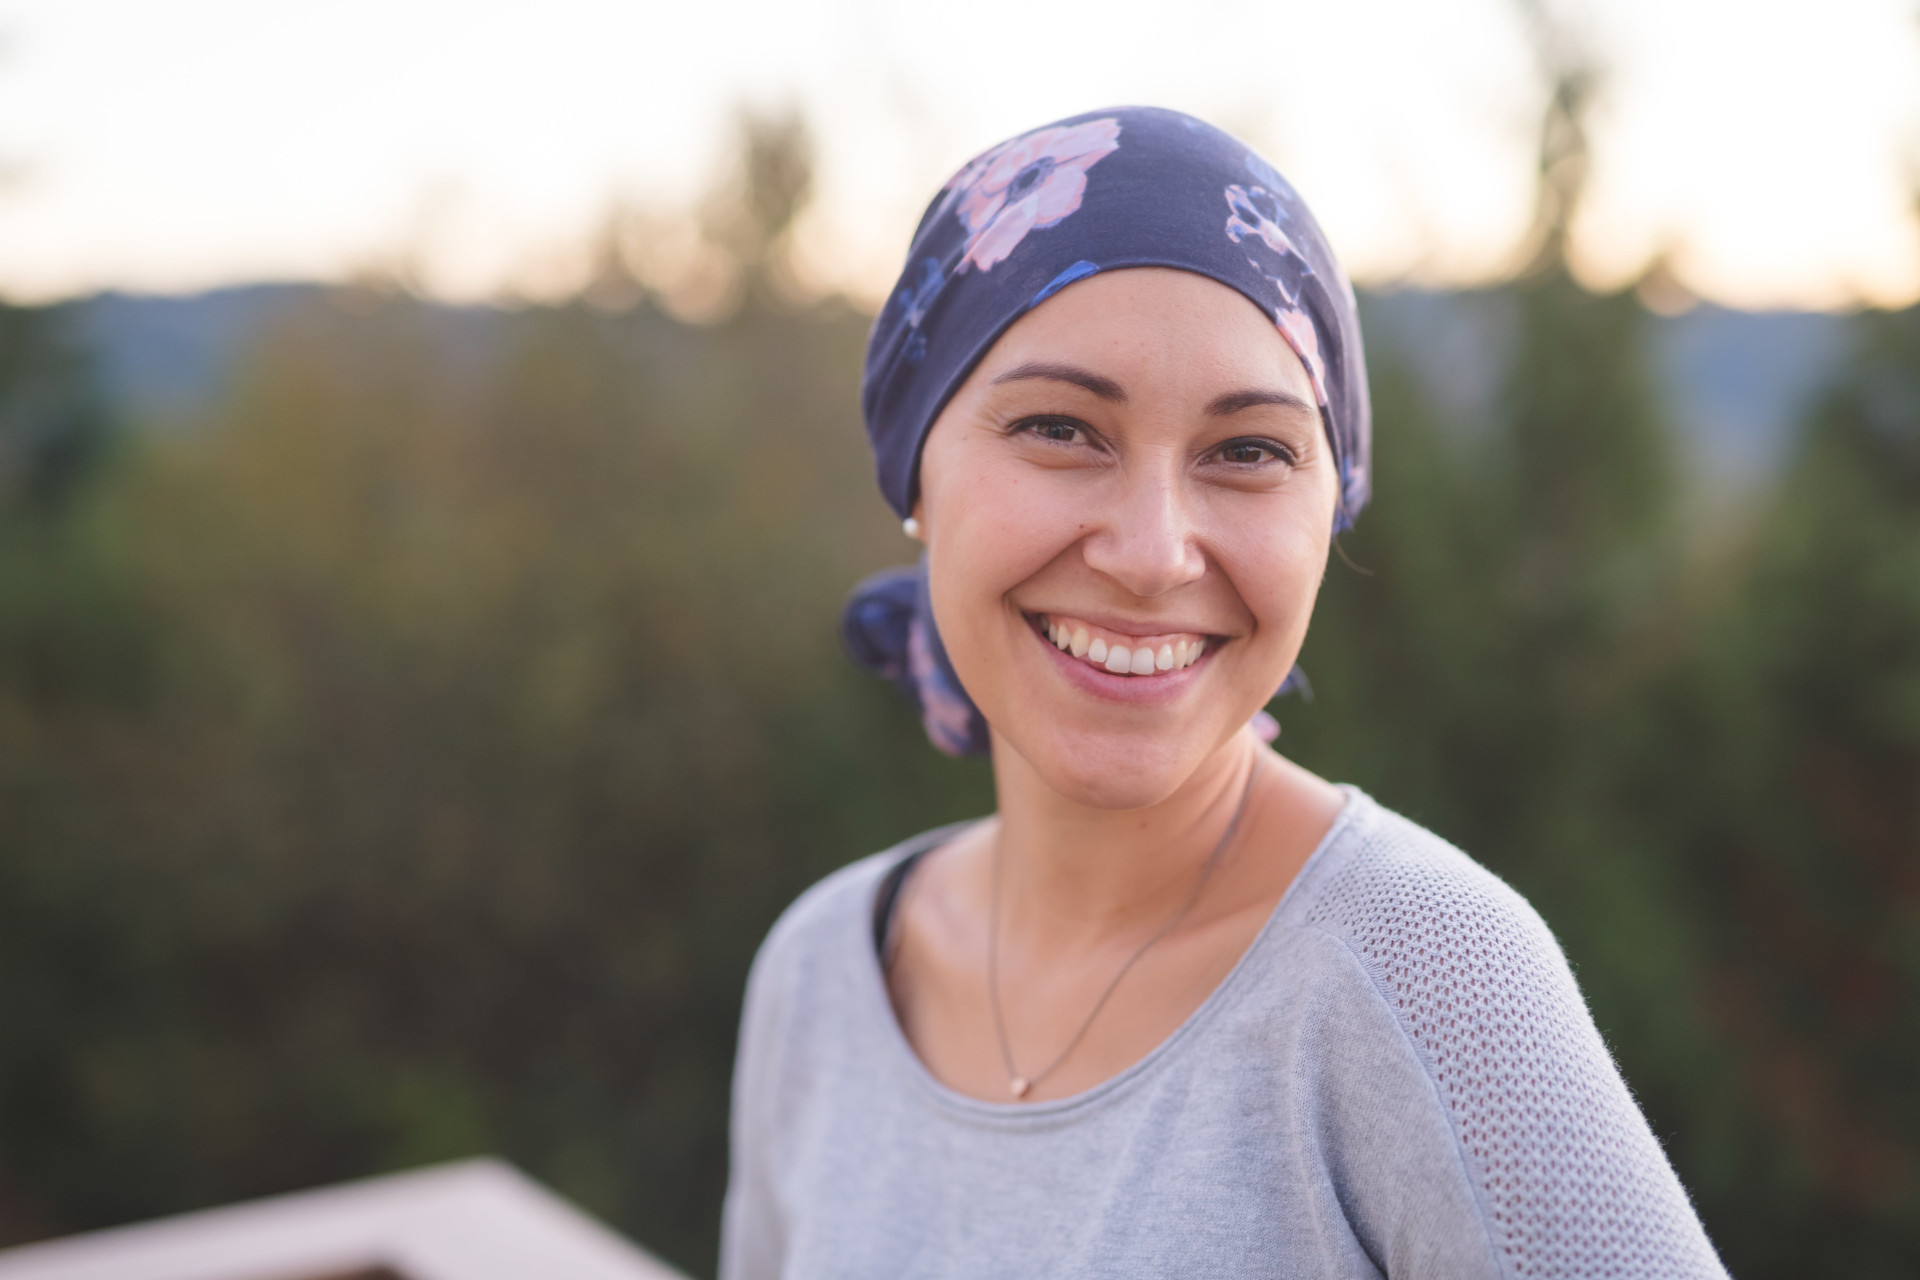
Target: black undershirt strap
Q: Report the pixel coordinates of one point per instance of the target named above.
(886, 900)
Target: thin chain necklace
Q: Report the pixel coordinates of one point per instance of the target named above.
(1020, 1085)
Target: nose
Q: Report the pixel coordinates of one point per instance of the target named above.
(1148, 541)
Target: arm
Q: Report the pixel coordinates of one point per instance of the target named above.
(751, 1231)
(1564, 1174)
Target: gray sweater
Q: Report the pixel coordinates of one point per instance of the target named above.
(1398, 1078)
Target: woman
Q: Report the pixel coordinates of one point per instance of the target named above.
(1179, 1007)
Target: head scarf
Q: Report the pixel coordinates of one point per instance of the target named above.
(1128, 187)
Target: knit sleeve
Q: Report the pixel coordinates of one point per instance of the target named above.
(1569, 1178)
(752, 1227)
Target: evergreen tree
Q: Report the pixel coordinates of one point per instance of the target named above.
(1516, 577)
(495, 709)
(1800, 720)
(53, 422)
(1492, 670)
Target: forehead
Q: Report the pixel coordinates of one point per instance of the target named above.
(1153, 326)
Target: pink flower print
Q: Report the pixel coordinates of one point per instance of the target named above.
(1030, 182)
(1253, 222)
(945, 710)
(1256, 212)
(1297, 329)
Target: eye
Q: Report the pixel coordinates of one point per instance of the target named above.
(1054, 430)
(1254, 452)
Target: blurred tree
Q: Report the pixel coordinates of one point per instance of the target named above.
(1562, 157)
(1519, 571)
(735, 251)
(73, 657)
(776, 181)
(1799, 718)
(53, 423)
(1492, 670)
(495, 710)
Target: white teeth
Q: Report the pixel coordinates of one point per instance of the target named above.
(1121, 659)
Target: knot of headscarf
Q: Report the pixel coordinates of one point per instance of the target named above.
(1128, 187)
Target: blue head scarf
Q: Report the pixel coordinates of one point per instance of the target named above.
(1129, 187)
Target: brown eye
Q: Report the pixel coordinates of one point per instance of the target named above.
(1057, 430)
(1253, 453)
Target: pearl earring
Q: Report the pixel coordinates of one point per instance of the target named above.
(910, 527)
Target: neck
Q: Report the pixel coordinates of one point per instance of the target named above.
(1080, 874)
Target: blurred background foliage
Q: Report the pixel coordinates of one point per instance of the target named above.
(403, 750)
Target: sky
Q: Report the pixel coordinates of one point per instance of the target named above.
(1771, 151)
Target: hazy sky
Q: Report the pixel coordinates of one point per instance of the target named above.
(1771, 148)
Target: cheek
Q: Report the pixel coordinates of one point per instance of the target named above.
(1276, 566)
(993, 528)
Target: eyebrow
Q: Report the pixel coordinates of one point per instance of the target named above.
(1105, 388)
(1234, 401)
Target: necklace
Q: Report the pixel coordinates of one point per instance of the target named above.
(1020, 1085)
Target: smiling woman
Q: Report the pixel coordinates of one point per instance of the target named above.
(1178, 1006)
(1140, 458)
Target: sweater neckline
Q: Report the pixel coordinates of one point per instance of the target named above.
(900, 1052)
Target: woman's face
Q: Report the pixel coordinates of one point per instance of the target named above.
(1136, 471)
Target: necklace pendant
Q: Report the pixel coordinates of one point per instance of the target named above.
(1019, 1086)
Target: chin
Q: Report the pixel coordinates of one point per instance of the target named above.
(1108, 770)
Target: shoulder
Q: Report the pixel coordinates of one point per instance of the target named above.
(825, 906)
(827, 929)
(804, 1004)
(1411, 905)
(1562, 1163)
(1462, 962)
(813, 933)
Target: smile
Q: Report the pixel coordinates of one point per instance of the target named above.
(1119, 654)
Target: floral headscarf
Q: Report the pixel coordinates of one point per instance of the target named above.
(1128, 187)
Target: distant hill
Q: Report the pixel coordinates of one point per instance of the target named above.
(1735, 381)
(168, 359)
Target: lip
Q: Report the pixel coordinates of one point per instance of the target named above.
(1156, 690)
(1132, 628)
